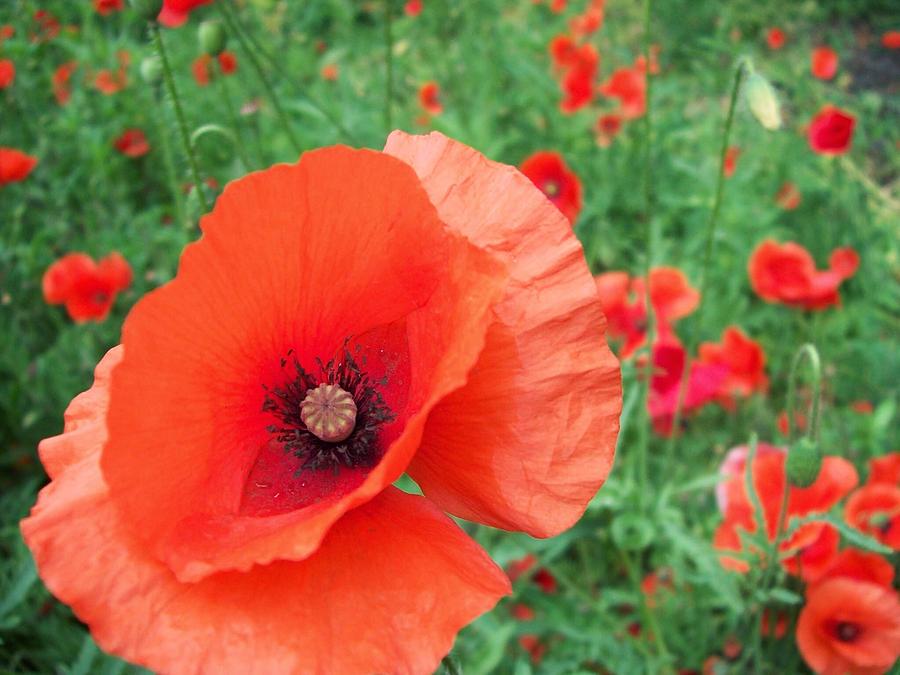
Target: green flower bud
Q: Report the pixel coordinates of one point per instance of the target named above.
(147, 9)
(803, 463)
(212, 37)
(151, 70)
(763, 101)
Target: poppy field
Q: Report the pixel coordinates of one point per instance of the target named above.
(388, 336)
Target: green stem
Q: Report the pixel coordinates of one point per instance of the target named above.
(389, 67)
(179, 113)
(647, 612)
(234, 27)
(169, 163)
(235, 123)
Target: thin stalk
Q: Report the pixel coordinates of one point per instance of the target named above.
(179, 113)
(234, 27)
(235, 122)
(389, 67)
(169, 164)
(647, 612)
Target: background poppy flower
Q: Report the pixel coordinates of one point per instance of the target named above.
(430, 98)
(108, 83)
(413, 7)
(788, 196)
(629, 86)
(563, 51)
(432, 306)
(746, 363)
(550, 173)
(578, 79)
(831, 131)
(852, 563)
(15, 165)
(87, 289)
(61, 77)
(824, 63)
(329, 72)
(607, 128)
(775, 38)
(104, 7)
(6, 32)
(875, 509)
(132, 143)
(885, 469)
(891, 39)
(731, 158)
(7, 73)
(733, 467)
(228, 63)
(175, 13)
(849, 626)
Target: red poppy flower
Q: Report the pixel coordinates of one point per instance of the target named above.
(558, 6)
(788, 196)
(61, 77)
(891, 39)
(108, 83)
(836, 478)
(852, 563)
(607, 128)
(430, 98)
(812, 560)
(629, 86)
(578, 81)
(48, 26)
(413, 7)
(175, 12)
(7, 73)
(885, 469)
(862, 407)
(15, 165)
(831, 131)
(733, 466)
(563, 51)
(535, 647)
(783, 423)
(542, 577)
(775, 38)
(132, 143)
(786, 273)
(731, 158)
(746, 363)
(227, 62)
(398, 284)
(875, 509)
(824, 63)
(104, 7)
(587, 23)
(329, 72)
(200, 69)
(522, 612)
(654, 583)
(641, 61)
(87, 289)
(849, 627)
(6, 32)
(550, 173)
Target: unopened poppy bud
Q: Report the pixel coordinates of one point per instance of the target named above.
(212, 37)
(803, 463)
(763, 101)
(147, 9)
(151, 70)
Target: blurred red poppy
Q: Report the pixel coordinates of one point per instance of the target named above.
(61, 77)
(175, 12)
(788, 196)
(775, 38)
(104, 7)
(108, 83)
(48, 26)
(132, 143)
(413, 7)
(329, 72)
(201, 67)
(745, 361)
(786, 273)
(15, 165)
(550, 173)
(731, 158)
(6, 32)
(852, 563)
(891, 39)
(812, 560)
(629, 86)
(88, 289)
(558, 6)
(831, 131)
(779, 629)
(655, 583)
(563, 51)
(824, 63)
(542, 577)
(734, 465)
(607, 128)
(641, 62)
(875, 510)
(578, 80)
(588, 22)
(885, 469)
(849, 627)
(862, 407)
(228, 63)
(7, 73)
(535, 647)
(430, 98)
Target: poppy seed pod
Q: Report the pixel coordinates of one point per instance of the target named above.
(147, 9)
(763, 101)
(151, 70)
(804, 461)
(212, 37)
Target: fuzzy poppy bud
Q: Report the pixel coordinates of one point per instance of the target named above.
(147, 9)
(763, 101)
(803, 463)
(212, 37)
(151, 70)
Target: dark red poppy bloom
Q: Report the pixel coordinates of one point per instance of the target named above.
(607, 128)
(399, 284)
(15, 165)
(746, 363)
(831, 131)
(891, 39)
(578, 80)
(88, 289)
(550, 173)
(849, 627)
(786, 273)
(104, 7)
(875, 509)
(7, 73)
(824, 63)
(413, 7)
(629, 86)
(542, 577)
(885, 469)
(731, 158)
(788, 196)
(175, 12)
(132, 143)
(228, 63)
(775, 38)
(430, 98)
(61, 77)
(563, 51)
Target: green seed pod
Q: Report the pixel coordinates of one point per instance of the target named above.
(763, 101)
(803, 463)
(151, 70)
(212, 37)
(147, 9)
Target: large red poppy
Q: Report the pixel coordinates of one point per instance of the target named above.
(87, 288)
(746, 363)
(786, 273)
(550, 173)
(15, 165)
(831, 131)
(400, 285)
(875, 509)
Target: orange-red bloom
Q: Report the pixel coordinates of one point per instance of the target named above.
(87, 289)
(578, 79)
(746, 363)
(6, 32)
(831, 131)
(7, 73)
(329, 72)
(875, 509)
(15, 165)
(61, 77)
(104, 7)
(413, 7)
(588, 22)
(788, 196)
(775, 38)
(406, 280)
(132, 143)
(891, 39)
(824, 63)
(228, 63)
(629, 86)
(885, 469)
(849, 627)
(563, 51)
(786, 273)
(550, 173)
(175, 12)
(201, 67)
(731, 158)
(430, 98)
(607, 128)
